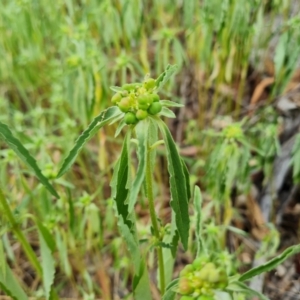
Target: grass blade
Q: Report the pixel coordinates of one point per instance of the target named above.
(9, 284)
(25, 156)
(102, 119)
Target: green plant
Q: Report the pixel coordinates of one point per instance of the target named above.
(139, 107)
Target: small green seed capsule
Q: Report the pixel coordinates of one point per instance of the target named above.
(199, 262)
(155, 97)
(116, 98)
(149, 83)
(124, 104)
(187, 298)
(184, 286)
(155, 108)
(130, 118)
(213, 276)
(203, 273)
(145, 99)
(186, 270)
(206, 297)
(141, 114)
(210, 266)
(130, 86)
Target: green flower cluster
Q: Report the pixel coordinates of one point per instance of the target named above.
(137, 101)
(199, 279)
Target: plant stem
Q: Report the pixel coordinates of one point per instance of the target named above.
(154, 221)
(20, 236)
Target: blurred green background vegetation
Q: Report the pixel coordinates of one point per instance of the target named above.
(57, 61)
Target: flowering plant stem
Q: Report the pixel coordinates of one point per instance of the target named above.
(154, 220)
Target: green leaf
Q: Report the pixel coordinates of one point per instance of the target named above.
(179, 193)
(170, 293)
(141, 280)
(165, 76)
(121, 125)
(273, 263)
(48, 265)
(198, 210)
(240, 287)
(169, 103)
(187, 179)
(141, 285)
(119, 182)
(169, 255)
(10, 285)
(280, 53)
(98, 122)
(166, 112)
(25, 156)
(46, 235)
(116, 89)
(142, 130)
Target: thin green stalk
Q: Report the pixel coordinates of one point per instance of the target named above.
(20, 236)
(154, 221)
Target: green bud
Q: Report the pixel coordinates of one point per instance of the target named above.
(124, 104)
(213, 275)
(223, 279)
(186, 270)
(130, 86)
(184, 286)
(210, 265)
(141, 114)
(187, 298)
(145, 99)
(206, 297)
(155, 97)
(149, 83)
(199, 262)
(116, 98)
(203, 274)
(130, 118)
(154, 108)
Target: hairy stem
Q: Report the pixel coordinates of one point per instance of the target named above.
(20, 236)
(149, 180)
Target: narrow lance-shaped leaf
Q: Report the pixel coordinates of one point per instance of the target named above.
(119, 182)
(187, 179)
(166, 112)
(179, 194)
(271, 264)
(24, 155)
(10, 285)
(142, 130)
(102, 119)
(169, 103)
(165, 76)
